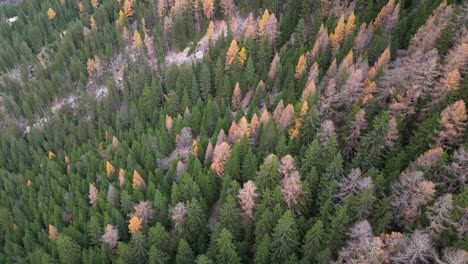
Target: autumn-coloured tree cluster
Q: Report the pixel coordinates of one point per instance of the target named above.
(247, 131)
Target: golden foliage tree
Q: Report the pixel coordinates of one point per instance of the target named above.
(350, 24)
(137, 180)
(134, 225)
(53, 232)
(128, 8)
(81, 7)
(121, 17)
(231, 54)
(169, 123)
(51, 155)
(210, 31)
(51, 14)
(90, 67)
(301, 66)
(93, 194)
(109, 169)
(136, 40)
(92, 22)
(95, 3)
(242, 56)
(261, 24)
(208, 8)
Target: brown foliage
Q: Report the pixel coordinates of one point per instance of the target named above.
(228, 7)
(291, 188)
(137, 181)
(453, 122)
(221, 154)
(231, 54)
(409, 194)
(278, 111)
(121, 177)
(355, 129)
(271, 30)
(427, 35)
(247, 196)
(93, 194)
(110, 236)
(287, 166)
(427, 159)
(236, 97)
(128, 8)
(287, 116)
(208, 7)
(53, 232)
(274, 67)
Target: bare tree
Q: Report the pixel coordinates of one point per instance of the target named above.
(409, 194)
(457, 172)
(416, 249)
(355, 129)
(354, 183)
(178, 213)
(439, 215)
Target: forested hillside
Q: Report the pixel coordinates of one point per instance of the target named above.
(233, 131)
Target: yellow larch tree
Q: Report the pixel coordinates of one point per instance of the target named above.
(81, 7)
(136, 40)
(242, 56)
(350, 24)
(51, 155)
(53, 232)
(51, 14)
(301, 66)
(95, 3)
(121, 17)
(208, 7)
(134, 225)
(109, 169)
(231, 54)
(340, 29)
(137, 181)
(90, 67)
(262, 23)
(210, 31)
(92, 22)
(128, 8)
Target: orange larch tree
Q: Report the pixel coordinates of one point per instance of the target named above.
(231, 54)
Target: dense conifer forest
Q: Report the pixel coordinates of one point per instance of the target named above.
(233, 131)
